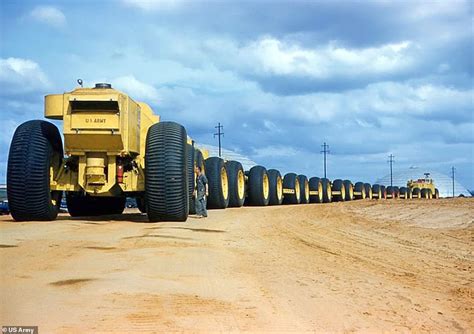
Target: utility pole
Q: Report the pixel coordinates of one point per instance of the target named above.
(325, 151)
(391, 161)
(219, 133)
(452, 174)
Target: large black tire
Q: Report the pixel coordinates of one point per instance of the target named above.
(349, 187)
(116, 205)
(383, 190)
(315, 190)
(258, 187)
(390, 192)
(426, 193)
(359, 191)
(436, 194)
(396, 192)
(236, 175)
(199, 160)
(403, 193)
(327, 190)
(35, 148)
(304, 189)
(416, 193)
(217, 177)
(190, 154)
(291, 189)
(376, 191)
(166, 173)
(338, 191)
(368, 191)
(276, 187)
(79, 205)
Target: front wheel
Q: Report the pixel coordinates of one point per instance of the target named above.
(166, 174)
(35, 151)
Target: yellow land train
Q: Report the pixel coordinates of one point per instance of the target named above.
(423, 188)
(108, 140)
(115, 147)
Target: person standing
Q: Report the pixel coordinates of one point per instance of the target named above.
(201, 192)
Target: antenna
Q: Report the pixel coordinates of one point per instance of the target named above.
(325, 151)
(79, 81)
(391, 161)
(219, 133)
(452, 175)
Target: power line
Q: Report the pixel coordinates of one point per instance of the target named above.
(391, 161)
(325, 151)
(452, 175)
(219, 134)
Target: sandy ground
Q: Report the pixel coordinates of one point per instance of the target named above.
(365, 266)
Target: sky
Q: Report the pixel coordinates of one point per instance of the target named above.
(370, 78)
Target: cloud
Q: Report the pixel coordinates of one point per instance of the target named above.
(154, 5)
(454, 8)
(272, 56)
(289, 68)
(18, 76)
(367, 107)
(138, 90)
(49, 15)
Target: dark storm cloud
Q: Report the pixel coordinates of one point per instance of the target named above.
(353, 23)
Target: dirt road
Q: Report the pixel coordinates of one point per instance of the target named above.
(364, 266)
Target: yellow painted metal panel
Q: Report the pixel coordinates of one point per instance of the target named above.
(91, 95)
(92, 142)
(54, 106)
(133, 124)
(95, 121)
(147, 119)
